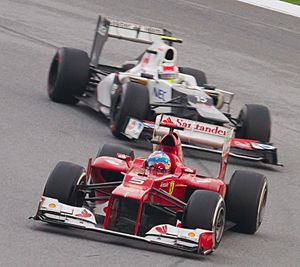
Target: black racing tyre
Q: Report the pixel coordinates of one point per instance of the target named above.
(68, 75)
(254, 123)
(197, 74)
(62, 181)
(246, 200)
(205, 210)
(112, 150)
(131, 101)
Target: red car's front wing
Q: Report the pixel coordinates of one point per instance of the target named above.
(192, 240)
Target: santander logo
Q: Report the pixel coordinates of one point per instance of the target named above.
(197, 126)
(168, 120)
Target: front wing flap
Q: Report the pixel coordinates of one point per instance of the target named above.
(192, 240)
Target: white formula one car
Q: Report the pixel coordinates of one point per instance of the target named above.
(153, 84)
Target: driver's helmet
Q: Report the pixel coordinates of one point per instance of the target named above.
(168, 72)
(159, 163)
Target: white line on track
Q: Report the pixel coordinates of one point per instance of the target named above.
(276, 5)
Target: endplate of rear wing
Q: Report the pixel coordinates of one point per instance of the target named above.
(111, 28)
(200, 241)
(203, 137)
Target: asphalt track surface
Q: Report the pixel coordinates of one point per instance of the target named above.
(251, 51)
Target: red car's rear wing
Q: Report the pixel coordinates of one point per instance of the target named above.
(197, 133)
(193, 132)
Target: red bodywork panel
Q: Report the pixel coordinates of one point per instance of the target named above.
(104, 168)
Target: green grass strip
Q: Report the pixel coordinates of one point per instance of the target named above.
(296, 2)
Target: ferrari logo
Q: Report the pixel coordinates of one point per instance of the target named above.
(171, 189)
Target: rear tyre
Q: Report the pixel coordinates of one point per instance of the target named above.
(255, 123)
(112, 151)
(205, 210)
(132, 101)
(246, 199)
(68, 75)
(62, 181)
(197, 74)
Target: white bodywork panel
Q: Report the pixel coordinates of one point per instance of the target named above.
(104, 90)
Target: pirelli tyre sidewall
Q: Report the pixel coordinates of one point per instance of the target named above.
(130, 100)
(68, 75)
(62, 181)
(246, 199)
(254, 122)
(206, 210)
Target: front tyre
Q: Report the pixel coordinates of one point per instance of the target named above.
(254, 123)
(131, 101)
(206, 210)
(68, 75)
(62, 181)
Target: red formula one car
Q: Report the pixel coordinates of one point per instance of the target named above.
(156, 200)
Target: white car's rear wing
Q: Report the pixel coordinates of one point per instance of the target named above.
(107, 27)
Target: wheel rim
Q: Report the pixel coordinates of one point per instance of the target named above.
(261, 205)
(219, 224)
